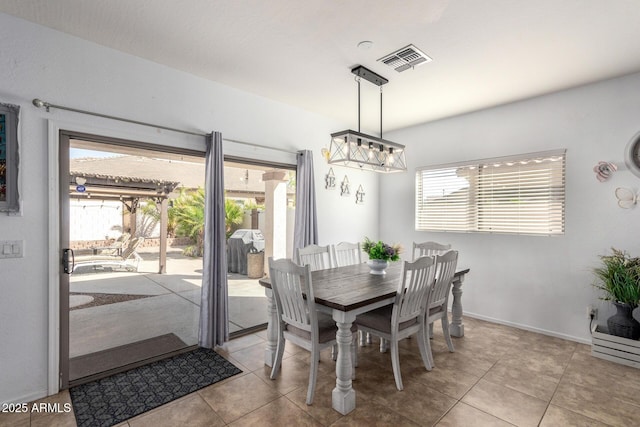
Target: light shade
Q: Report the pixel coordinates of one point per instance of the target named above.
(358, 150)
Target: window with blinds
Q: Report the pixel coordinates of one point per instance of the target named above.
(520, 194)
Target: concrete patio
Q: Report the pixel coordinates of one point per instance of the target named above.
(167, 303)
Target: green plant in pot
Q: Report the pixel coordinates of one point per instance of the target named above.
(619, 279)
(380, 254)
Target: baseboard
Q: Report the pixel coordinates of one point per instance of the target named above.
(528, 328)
(28, 398)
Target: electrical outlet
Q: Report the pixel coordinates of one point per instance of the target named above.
(591, 311)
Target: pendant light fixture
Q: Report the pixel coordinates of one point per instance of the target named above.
(358, 150)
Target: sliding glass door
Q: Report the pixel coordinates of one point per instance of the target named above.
(260, 212)
(129, 231)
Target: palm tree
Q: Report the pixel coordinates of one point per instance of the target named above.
(188, 212)
(233, 215)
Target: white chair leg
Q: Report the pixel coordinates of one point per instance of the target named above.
(430, 330)
(447, 334)
(425, 349)
(278, 358)
(334, 352)
(362, 335)
(313, 375)
(369, 339)
(427, 344)
(395, 363)
(384, 345)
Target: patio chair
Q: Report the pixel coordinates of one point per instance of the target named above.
(298, 319)
(406, 316)
(129, 260)
(121, 243)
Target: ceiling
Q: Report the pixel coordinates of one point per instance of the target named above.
(485, 53)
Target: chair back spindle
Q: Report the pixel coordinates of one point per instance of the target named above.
(445, 269)
(429, 249)
(317, 257)
(290, 285)
(346, 253)
(413, 289)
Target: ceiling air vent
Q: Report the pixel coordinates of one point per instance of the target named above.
(405, 58)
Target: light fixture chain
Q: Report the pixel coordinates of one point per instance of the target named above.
(358, 80)
(380, 111)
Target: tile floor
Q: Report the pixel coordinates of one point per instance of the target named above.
(498, 376)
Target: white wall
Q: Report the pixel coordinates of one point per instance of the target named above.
(95, 219)
(36, 62)
(540, 283)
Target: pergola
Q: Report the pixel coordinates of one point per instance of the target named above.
(130, 191)
(111, 178)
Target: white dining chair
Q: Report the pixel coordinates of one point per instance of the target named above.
(438, 299)
(406, 316)
(429, 248)
(299, 321)
(317, 257)
(345, 253)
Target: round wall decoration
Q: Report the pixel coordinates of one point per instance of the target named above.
(632, 155)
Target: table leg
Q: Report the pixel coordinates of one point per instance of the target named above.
(272, 329)
(343, 397)
(456, 329)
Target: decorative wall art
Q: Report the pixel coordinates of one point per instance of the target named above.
(330, 180)
(360, 195)
(344, 187)
(9, 158)
(627, 198)
(604, 170)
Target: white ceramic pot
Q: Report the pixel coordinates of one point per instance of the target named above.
(378, 266)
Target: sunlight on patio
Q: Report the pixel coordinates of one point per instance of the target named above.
(110, 309)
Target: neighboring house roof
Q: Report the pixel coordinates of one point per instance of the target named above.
(239, 182)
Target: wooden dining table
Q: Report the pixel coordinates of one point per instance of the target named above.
(346, 292)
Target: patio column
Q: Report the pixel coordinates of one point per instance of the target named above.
(275, 203)
(130, 219)
(164, 221)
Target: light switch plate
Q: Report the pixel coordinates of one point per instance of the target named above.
(11, 248)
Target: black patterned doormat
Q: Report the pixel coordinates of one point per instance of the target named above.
(111, 400)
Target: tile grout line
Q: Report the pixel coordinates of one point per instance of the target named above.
(556, 390)
(244, 415)
(470, 388)
(564, 370)
(476, 383)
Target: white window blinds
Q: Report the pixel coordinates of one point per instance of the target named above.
(521, 194)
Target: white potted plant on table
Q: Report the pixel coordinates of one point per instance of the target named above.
(380, 254)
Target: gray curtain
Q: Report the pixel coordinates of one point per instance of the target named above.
(214, 313)
(305, 231)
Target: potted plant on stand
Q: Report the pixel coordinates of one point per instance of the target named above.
(619, 279)
(380, 254)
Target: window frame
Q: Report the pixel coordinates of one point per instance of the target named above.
(474, 209)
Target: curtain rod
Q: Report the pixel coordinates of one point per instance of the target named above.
(40, 104)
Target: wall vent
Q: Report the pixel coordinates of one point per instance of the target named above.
(405, 58)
